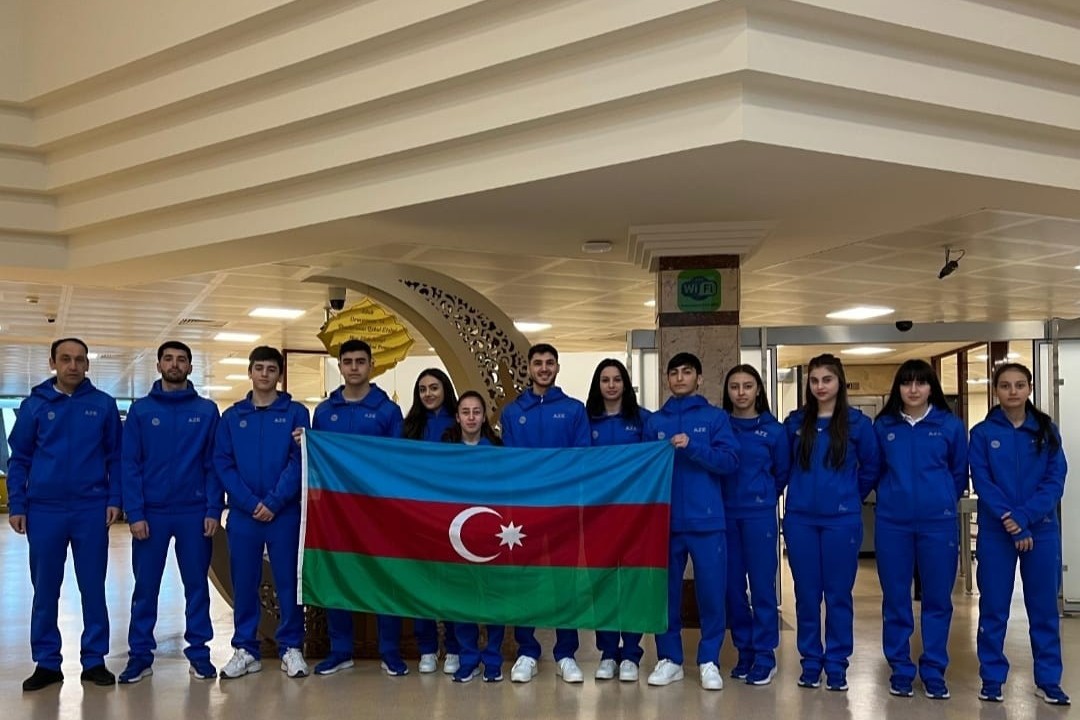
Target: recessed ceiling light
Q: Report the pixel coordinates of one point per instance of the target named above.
(236, 337)
(978, 381)
(867, 350)
(92, 356)
(650, 303)
(217, 388)
(860, 312)
(527, 327)
(233, 361)
(236, 377)
(313, 399)
(596, 247)
(276, 313)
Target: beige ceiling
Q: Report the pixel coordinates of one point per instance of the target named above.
(1017, 266)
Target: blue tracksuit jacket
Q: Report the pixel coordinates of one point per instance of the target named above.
(375, 415)
(65, 450)
(764, 464)
(168, 457)
(924, 470)
(829, 492)
(617, 430)
(255, 456)
(1010, 475)
(697, 500)
(438, 422)
(551, 420)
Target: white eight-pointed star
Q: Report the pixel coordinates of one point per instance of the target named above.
(510, 535)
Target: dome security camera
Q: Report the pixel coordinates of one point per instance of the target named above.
(336, 297)
(904, 325)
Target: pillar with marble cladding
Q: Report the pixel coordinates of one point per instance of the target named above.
(697, 291)
(697, 301)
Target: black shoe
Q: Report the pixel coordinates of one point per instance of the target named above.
(99, 675)
(42, 678)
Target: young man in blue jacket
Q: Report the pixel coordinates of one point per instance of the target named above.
(64, 489)
(545, 417)
(361, 408)
(258, 462)
(705, 451)
(171, 491)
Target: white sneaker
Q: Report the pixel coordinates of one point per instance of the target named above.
(628, 671)
(606, 670)
(429, 663)
(665, 673)
(293, 664)
(241, 663)
(524, 669)
(710, 677)
(568, 669)
(451, 664)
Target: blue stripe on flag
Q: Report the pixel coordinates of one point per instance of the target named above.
(447, 472)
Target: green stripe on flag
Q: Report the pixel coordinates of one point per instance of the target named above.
(631, 599)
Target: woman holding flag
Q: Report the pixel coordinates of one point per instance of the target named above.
(471, 427)
(432, 413)
(615, 419)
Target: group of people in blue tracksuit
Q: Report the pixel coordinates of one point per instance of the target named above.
(170, 465)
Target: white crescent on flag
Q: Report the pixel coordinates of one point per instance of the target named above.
(456, 526)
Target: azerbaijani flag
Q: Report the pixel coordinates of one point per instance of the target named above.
(571, 538)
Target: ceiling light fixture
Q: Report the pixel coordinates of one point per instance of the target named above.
(92, 356)
(650, 303)
(950, 265)
(528, 327)
(867, 350)
(217, 388)
(233, 361)
(313, 399)
(236, 377)
(276, 313)
(596, 247)
(236, 337)
(860, 312)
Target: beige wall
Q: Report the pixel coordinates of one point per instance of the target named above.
(11, 49)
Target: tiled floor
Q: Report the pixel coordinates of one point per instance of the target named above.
(366, 692)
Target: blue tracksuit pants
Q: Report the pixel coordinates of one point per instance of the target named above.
(933, 547)
(389, 627)
(708, 550)
(607, 642)
(148, 562)
(427, 636)
(752, 612)
(281, 538)
(1040, 571)
(566, 643)
(468, 634)
(824, 557)
(48, 534)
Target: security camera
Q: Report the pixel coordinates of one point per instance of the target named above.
(904, 325)
(50, 318)
(336, 297)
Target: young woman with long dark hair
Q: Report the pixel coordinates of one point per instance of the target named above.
(750, 499)
(835, 463)
(471, 427)
(924, 474)
(615, 419)
(1018, 470)
(431, 415)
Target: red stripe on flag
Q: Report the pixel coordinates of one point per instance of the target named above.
(594, 536)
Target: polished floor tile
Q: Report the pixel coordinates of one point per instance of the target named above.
(365, 692)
